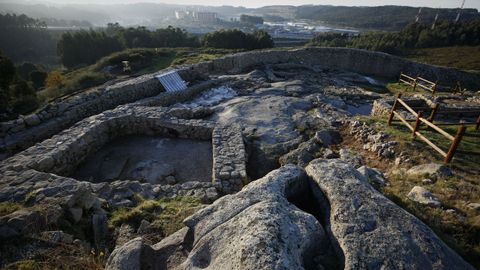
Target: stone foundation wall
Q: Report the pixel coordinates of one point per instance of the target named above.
(65, 151)
(354, 60)
(229, 158)
(40, 168)
(21, 133)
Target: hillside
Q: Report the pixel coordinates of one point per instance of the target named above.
(465, 57)
(155, 15)
(141, 61)
(381, 17)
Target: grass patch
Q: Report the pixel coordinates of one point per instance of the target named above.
(146, 209)
(61, 257)
(462, 160)
(166, 215)
(174, 212)
(460, 230)
(110, 67)
(400, 88)
(8, 208)
(461, 57)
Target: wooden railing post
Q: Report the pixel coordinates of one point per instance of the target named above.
(455, 143)
(458, 88)
(400, 78)
(394, 107)
(434, 88)
(414, 84)
(417, 124)
(433, 113)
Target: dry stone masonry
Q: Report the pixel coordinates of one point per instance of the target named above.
(61, 154)
(256, 113)
(21, 133)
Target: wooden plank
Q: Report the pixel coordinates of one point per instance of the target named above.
(422, 108)
(439, 130)
(407, 107)
(433, 112)
(403, 120)
(394, 107)
(406, 76)
(405, 82)
(417, 123)
(419, 135)
(426, 87)
(425, 80)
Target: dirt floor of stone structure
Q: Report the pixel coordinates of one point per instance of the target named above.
(154, 159)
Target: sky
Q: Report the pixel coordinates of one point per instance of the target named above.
(259, 3)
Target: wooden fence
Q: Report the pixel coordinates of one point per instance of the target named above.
(418, 82)
(455, 140)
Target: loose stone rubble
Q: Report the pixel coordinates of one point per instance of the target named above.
(423, 196)
(374, 141)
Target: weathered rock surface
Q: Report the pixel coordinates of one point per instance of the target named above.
(257, 228)
(351, 157)
(261, 228)
(372, 231)
(433, 170)
(374, 176)
(267, 122)
(127, 256)
(423, 196)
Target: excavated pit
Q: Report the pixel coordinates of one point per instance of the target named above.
(157, 160)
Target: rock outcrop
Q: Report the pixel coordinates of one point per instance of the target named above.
(372, 231)
(286, 220)
(257, 228)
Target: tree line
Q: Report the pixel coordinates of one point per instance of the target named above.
(86, 47)
(26, 39)
(416, 35)
(18, 88)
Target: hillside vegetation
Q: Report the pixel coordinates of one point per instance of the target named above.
(391, 18)
(448, 44)
(461, 57)
(141, 61)
(414, 36)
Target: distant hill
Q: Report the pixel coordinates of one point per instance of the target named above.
(380, 18)
(145, 14)
(155, 14)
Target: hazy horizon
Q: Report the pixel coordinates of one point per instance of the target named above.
(256, 4)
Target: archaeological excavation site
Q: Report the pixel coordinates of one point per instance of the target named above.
(312, 158)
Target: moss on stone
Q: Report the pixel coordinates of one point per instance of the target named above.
(8, 207)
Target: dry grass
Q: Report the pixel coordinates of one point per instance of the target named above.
(64, 257)
(461, 57)
(460, 229)
(166, 215)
